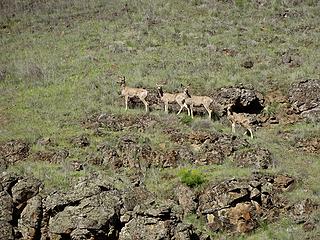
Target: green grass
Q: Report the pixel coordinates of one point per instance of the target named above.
(61, 60)
(53, 176)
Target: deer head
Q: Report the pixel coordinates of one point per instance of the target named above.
(122, 80)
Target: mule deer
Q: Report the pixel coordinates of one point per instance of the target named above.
(197, 101)
(238, 118)
(129, 92)
(167, 98)
(181, 99)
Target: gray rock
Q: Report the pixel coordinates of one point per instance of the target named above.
(6, 216)
(25, 189)
(259, 158)
(304, 97)
(29, 223)
(187, 199)
(156, 222)
(246, 100)
(99, 213)
(13, 151)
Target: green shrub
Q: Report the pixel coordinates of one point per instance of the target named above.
(191, 177)
(185, 119)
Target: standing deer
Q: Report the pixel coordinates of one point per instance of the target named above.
(167, 98)
(181, 99)
(197, 101)
(238, 118)
(129, 92)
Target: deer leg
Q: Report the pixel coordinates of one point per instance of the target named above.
(181, 107)
(146, 104)
(187, 107)
(251, 133)
(126, 98)
(234, 127)
(208, 110)
(248, 132)
(191, 110)
(166, 107)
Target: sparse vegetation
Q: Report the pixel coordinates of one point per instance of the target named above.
(60, 60)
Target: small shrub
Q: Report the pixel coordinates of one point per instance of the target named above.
(185, 119)
(191, 177)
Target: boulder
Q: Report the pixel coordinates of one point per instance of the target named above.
(156, 221)
(29, 223)
(243, 100)
(237, 205)
(25, 189)
(98, 214)
(304, 98)
(90, 210)
(13, 151)
(51, 156)
(7, 210)
(258, 158)
(308, 144)
(187, 199)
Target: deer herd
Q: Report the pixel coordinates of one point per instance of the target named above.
(184, 100)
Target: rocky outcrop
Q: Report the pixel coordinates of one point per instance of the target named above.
(52, 156)
(156, 221)
(98, 208)
(304, 98)
(117, 123)
(197, 147)
(243, 100)
(90, 209)
(13, 151)
(258, 158)
(238, 205)
(308, 144)
(20, 207)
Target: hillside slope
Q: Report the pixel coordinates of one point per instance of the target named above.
(63, 123)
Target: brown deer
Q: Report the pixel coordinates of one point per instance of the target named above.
(197, 101)
(238, 118)
(167, 98)
(129, 92)
(181, 99)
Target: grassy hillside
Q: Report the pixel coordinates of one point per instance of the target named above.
(60, 60)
